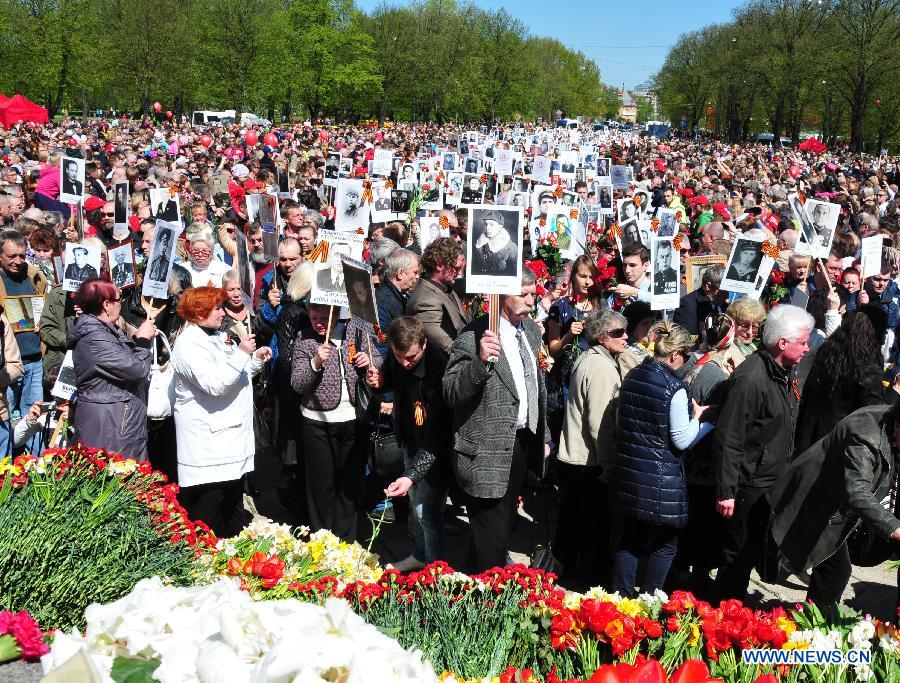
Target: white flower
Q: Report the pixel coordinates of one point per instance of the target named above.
(863, 672)
(218, 634)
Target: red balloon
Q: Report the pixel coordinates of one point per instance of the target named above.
(168, 114)
(794, 171)
(251, 137)
(878, 103)
(206, 140)
(323, 135)
(157, 107)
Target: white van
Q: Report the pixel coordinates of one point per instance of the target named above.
(213, 118)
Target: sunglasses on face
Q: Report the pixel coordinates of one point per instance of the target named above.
(617, 333)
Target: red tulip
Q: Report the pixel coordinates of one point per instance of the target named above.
(271, 139)
(250, 138)
(157, 107)
(606, 674)
(691, 671)
(767, 678)
(650, 671)
(206, 140)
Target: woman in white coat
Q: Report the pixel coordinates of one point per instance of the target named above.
(213, 412)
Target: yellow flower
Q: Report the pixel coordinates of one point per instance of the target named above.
(786, 625)
(695, 635)
(629, 607)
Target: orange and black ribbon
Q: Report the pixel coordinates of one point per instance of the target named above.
(319, 252)
(770, 249)
(367, 191)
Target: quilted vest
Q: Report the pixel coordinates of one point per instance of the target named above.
(648, 477)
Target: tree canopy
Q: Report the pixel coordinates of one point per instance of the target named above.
(431, 60)
(783, 66)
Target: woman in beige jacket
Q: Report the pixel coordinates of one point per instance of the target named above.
(586, 449)
(10, 370)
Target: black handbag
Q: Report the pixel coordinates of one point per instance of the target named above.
(367, 403)
(868, 549)
(385, 453)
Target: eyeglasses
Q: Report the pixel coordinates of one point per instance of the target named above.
(117, 300)
(746, 325)
(617, 333)
(201, 252)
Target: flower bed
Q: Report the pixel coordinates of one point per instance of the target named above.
(219, 633)
(84, 527)
(79, 526)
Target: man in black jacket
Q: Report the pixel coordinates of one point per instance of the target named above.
(414, 371)
(753, 441)
(697, 306)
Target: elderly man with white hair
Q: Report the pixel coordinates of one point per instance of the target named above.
(204, 269)
(754, 440)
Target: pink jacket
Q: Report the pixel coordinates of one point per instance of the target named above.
(48, 185)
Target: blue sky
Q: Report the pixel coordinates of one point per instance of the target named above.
(595, 28)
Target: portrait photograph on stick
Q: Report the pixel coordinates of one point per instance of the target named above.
(665, 265)
(360, 290)
(82, 263)
(120, 261)
(494, 250)
(159, 262)
(71, 187)
(747, 266)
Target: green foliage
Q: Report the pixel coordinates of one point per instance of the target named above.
(789, 67)
(70, 541)
(127, 670)
(431, 60)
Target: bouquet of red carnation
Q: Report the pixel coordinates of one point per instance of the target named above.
(605, 279)
(21, 637)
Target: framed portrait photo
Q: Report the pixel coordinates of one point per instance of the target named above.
(695, 266)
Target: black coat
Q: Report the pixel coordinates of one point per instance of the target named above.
(823, 404)
(693, 309)
(830, 486)
(754, 434)
(391, 303)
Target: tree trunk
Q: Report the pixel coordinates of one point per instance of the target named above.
(84, 104)
(270, 110)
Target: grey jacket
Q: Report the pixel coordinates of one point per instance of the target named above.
(111, 372)
(837, 481)
(439, 310)
(484, 405)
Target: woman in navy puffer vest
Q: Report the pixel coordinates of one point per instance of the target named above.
(654, 427)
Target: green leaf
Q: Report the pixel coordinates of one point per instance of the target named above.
(127, 670)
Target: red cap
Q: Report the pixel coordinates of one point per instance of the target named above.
(686, 192)
(699, 200)
(93, 203)
(721, 209)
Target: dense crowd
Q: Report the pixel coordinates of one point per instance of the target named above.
(727, 432)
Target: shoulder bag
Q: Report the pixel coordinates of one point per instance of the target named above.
(161, 393)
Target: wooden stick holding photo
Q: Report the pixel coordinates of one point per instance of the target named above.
(328, 326)
(494, 319)
(825, 274)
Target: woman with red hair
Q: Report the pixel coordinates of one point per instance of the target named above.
(111, 372)
(213, 411)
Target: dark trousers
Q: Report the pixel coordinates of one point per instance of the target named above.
(745, 539)
(582, 541)
(639, 539)
(219, 504)
(829, 579)
(333, 463)
(491, 519)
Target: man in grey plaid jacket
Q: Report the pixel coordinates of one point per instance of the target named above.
(499, 419)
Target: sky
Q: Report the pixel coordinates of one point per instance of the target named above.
(594, 27)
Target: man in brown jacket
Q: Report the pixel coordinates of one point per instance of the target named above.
(10, 371)
(433, 301)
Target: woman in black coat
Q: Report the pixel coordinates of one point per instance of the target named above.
(845, 375)
(828, 489)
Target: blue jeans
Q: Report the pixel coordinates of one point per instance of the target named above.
(428, 507)
(5, 438)
(24, 393)
(656, 542)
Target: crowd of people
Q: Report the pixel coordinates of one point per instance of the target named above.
(688, 446)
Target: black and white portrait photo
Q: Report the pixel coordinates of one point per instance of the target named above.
(121, 265)
(603, 164)
(668, 224)
(408, 177)
(495, 251)
(400, 200)
(823, 217)
(454, 188)
(381, 195)
(743, 267)
(494, 258)
(349, 211)
(360, 290)
(473, 190)
(82, 263)
(472, 166)
(604, 198)
(449, 161)
(332, 168)
(567, 162)
(120, 198)
(156, 276)
(328, 282)
(463, 146)
(71, 186)
(665, 260)
(627, 212)
(622, 176)
(164, 206)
